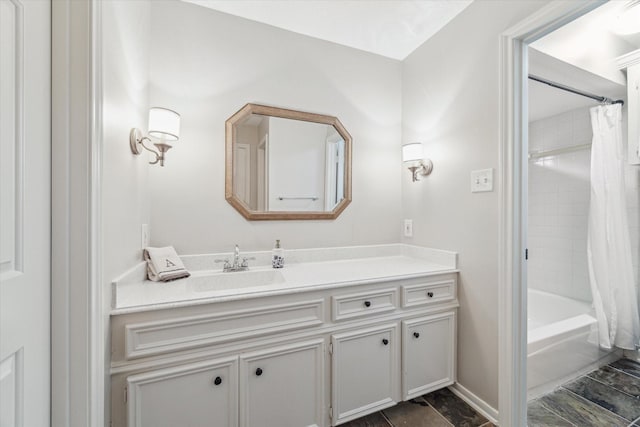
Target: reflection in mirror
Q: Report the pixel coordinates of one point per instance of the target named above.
(287, 164)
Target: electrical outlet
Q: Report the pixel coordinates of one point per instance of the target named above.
(144, 236)
(481, 180)
(408, 228)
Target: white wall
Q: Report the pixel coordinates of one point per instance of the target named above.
(632, 182)
(206, 65)
(559, 188)
(125, 202)
(126, 27)
(450, 101)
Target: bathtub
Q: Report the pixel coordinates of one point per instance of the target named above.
(560, 342)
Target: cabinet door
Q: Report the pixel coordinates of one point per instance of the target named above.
(193, 395)
(428, 354)
(283, 386)
(365, 372)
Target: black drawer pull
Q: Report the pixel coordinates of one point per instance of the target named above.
(416, 334)
(430, 294)
(259, 371)
(217, 381)
(385, 341)
(367, 303)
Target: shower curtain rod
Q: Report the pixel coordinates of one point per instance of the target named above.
(602, 99)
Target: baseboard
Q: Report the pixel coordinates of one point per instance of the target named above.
(475, 402)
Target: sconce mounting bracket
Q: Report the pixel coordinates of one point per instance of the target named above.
(135, 140)
(423, 168)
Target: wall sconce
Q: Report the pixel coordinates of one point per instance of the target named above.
(413, 153)
(164, 124)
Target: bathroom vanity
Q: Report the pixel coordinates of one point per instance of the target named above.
(321, 342)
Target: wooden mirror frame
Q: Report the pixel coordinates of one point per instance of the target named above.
(284, 113)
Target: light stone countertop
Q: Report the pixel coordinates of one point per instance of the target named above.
(364, 264)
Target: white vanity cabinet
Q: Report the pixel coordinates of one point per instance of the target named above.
(318, 357)
(194, 394)
(283, 386)
(428, 353)
(365, 372)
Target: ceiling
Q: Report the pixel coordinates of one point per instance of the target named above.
(582, 55)
(546, 101)
(391, 28)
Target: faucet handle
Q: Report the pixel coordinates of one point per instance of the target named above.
(245, 260)
(225, 261)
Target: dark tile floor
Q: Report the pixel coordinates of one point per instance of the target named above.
(606, 397)
(441, 408)
(609, 396)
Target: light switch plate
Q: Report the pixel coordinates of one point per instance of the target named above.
(482, 180)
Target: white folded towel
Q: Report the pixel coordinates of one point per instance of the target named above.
(163, 264)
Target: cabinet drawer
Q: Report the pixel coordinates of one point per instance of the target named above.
(428, 293)
(166, 336)
(363, 304)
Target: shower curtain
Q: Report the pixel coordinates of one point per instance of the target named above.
(608, 244)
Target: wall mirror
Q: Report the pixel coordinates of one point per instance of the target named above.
(287, 164)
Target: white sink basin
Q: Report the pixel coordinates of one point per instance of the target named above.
(236, 280)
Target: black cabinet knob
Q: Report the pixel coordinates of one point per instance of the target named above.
(385, 341)
(259, 371)
(416, 334)
(367, 303)
(430, 294)
(217, 381)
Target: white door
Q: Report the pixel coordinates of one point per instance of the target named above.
(242, 173)
(283, 386)
(195, 395)
(365, 373)
(428, 354)
(263, 174)
(25, 157)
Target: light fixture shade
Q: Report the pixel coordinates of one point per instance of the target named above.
(164, 124)
(412, 152)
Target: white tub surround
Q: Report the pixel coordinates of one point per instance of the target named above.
(305, 270)
(336, 338)
(562, 341)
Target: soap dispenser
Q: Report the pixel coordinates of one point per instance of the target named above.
(277, 259)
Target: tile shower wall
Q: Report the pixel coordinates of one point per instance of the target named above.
(559, 205)
(559, 192)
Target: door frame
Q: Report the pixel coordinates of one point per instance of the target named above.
(512, 300)
(79, 316)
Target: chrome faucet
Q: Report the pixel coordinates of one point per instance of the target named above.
(237, 264)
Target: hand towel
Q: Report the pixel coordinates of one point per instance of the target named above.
(163, 264)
